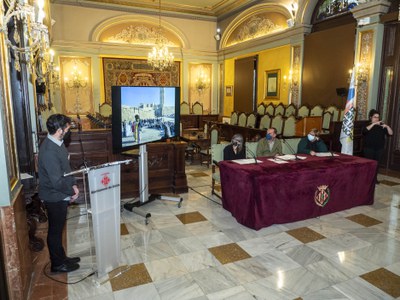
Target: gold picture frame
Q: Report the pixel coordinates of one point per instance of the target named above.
(229, 90)
(272, 84)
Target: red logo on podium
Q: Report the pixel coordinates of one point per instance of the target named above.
(106, 180)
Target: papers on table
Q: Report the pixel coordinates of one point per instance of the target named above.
(278, 161)
(289, 157)
(325, 154)
(246, 161)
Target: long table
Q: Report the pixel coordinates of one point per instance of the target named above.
(259, 195)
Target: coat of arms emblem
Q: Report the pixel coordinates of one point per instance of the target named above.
(322, 195)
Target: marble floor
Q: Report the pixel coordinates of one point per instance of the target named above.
(199, 251)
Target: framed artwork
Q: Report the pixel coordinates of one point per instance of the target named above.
(272, 82)
(228, 90)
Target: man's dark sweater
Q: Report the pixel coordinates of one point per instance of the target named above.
(53, 164)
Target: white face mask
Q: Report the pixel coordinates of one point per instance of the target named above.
(310, 137)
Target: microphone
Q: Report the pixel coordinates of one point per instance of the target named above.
(280, 136)
(252, 155)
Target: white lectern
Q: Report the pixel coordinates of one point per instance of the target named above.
(104, 190)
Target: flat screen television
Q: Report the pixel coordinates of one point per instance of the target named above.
(144, 114)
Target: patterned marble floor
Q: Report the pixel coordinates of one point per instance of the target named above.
(199, 251)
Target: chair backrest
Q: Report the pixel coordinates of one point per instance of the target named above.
(277, 122)
(242, 119)
(326, 120)
(303, 111)
(265, 122)
(217, 152)
(335, 112)
(214, 135)
(270, 109)
(289, 126)
(261, 109)
(293, 144)
(197, 108)
(251, 149)
(290, 110)
(316, 111)
(234, 118)
(251, 120)
(279, 109)
(185, 108)
(105, 109)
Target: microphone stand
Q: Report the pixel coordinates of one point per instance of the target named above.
(290, 148)
(253, 155)
(84, 161)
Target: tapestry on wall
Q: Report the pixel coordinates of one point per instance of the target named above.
(136, 72)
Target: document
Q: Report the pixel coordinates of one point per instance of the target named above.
(246, 161)
(325, 154)
(278, 161)
(289, 157)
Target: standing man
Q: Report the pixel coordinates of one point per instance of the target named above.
(270, 145)
(56, 190)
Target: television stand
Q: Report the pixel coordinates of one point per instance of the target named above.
(144, 196)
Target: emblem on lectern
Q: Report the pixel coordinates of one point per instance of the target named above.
(322, 195)
(105, 180)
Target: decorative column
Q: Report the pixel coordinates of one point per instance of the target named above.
(295, 75)
(369, 43)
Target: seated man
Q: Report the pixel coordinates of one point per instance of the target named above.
(236, 149)
(311, 144)
(270, 145)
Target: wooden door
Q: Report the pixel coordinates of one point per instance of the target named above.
(245, 88)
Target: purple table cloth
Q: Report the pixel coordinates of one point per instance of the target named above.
(259, 195)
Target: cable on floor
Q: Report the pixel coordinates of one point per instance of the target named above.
(212, 200)
(64, 282)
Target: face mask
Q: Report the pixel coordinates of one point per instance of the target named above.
(310, 137)
(66, 135)
(268, 137)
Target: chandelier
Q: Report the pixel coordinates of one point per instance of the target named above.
(160, 58)
(34, 43)
(76, 82)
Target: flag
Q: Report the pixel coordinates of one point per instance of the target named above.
(346, 134)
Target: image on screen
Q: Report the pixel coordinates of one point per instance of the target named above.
(147, 114)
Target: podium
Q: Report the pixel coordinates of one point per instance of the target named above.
(105, 194)
(304, 125)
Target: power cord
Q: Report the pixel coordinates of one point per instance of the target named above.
(64, 282)
(212, 200)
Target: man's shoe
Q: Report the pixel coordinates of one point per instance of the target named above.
(72, 260)
(64, 268)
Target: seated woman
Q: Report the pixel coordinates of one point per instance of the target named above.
(311, 144)
(236, 149)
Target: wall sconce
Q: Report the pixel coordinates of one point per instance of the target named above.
(292, 80)
(202, 81)
(76, 83)
(217, 36)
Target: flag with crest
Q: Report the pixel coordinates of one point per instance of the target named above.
(346, 134)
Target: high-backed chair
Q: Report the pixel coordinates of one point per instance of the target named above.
(261, 109)
(277, 122)
(197, 108)
(242, 120)
(289, 126)
(265, 122)
(205, 154)
(289, 146)
(185, 108)
(234, 118)
(316, 111)
(105, 109)
(290, 110)
(251, 149)
(303, 111)
(326, 121)
(270, 109)
(217, 154)
(251, 120)
(279, 110)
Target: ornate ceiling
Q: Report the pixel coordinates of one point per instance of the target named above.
(199, 8)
